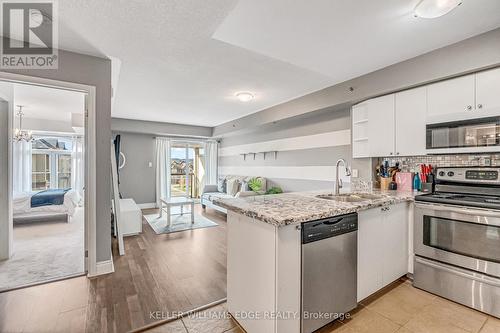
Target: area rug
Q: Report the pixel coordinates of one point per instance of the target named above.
(45, 251)
(179, 222)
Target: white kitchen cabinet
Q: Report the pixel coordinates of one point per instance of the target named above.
(395, 260)
(382, 247)
(410, 111)
(451, 99)
(488, 93)
(373, 127)
(381, 125)
(370, 252)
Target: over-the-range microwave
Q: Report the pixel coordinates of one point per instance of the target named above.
(464, 136)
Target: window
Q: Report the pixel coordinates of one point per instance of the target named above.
(40, 176)
(51, 163)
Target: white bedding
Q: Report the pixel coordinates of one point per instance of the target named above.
(22, 204)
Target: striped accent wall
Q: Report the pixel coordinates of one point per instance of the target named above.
(307, 149)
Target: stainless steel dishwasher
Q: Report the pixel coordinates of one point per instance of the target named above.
(329, 270)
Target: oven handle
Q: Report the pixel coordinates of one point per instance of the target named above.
(473, 276)
(466, 211)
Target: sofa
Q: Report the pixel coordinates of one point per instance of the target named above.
(230, 186)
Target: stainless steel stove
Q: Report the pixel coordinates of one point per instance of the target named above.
(457, 237)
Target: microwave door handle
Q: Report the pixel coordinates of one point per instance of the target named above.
(465, 211)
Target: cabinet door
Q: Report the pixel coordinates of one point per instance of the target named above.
(451, 100)
(488, 92)
(370, 252)
(411, 108)
(381, 126)
(395, 226)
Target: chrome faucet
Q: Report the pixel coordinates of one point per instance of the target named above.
(338, 181)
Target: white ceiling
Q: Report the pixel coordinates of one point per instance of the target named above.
(48, 103)
(182, 61)
(346, 39)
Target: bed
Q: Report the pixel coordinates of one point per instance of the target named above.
(22, 207)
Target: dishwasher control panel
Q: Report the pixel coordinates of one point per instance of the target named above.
(330, 227)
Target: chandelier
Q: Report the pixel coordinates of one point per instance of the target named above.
(19, 133)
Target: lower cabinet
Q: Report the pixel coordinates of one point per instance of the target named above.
(382, 247)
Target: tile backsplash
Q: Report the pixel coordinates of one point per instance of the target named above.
(411, 163)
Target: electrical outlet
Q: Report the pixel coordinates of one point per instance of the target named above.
(150, 164)
(354, 173)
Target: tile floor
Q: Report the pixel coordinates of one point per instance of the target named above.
(399, 308)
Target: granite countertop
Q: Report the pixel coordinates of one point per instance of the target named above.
(294, 208)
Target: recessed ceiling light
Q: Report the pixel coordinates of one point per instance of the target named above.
(244, 96)
(435, 8)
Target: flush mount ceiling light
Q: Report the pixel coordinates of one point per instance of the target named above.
(435, 8)
(244, 96)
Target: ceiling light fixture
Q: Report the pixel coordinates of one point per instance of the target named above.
(435, 8)
(19, 133)
(244, 96)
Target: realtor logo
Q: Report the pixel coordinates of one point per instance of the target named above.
(29, 35)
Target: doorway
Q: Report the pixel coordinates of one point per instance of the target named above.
(187, 169)
(48, 223)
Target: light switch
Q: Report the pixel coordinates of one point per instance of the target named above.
(150, 164)
(354, 173)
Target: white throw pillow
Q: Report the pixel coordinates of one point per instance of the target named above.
(232, 186)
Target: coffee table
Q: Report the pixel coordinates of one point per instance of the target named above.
(175, 201)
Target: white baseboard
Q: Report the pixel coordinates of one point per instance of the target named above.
(147, 205)
(104, 267)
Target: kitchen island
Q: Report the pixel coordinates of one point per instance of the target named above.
(264, 251)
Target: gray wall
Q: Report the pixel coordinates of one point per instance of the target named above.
(323, 121)
(159, 128)
(94, 71)
(472, 54)
(137, 179)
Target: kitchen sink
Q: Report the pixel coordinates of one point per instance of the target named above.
(354, 197)
(341, 197)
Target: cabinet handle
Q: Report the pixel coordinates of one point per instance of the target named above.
(480, 106)
(397, 153)
(390, 153)
(469, 107)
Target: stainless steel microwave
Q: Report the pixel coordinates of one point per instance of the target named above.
(465, 136)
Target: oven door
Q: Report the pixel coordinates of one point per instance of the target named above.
(468, 238)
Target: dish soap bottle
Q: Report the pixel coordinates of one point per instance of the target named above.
(416, 182)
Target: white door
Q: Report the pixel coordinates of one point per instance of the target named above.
(411, 111)
(370, 252)
(451, 100)
(395, 242)
(488, 92)
(381, 126)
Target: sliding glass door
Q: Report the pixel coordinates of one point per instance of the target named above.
(185, 169)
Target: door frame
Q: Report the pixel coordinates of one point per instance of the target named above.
(90, 158)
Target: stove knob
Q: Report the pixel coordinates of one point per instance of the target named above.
(441, 173)
(451, 174)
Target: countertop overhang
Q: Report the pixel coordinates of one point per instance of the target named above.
(298, 207)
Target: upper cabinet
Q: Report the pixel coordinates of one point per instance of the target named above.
(447, 99)
(390, 125)
(410, 113)
(488, 92)
(467, 97)
(381, 126)
(395, 124)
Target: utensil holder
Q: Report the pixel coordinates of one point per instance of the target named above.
(384, 183)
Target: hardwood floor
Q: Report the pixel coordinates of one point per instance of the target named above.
(159, 276)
